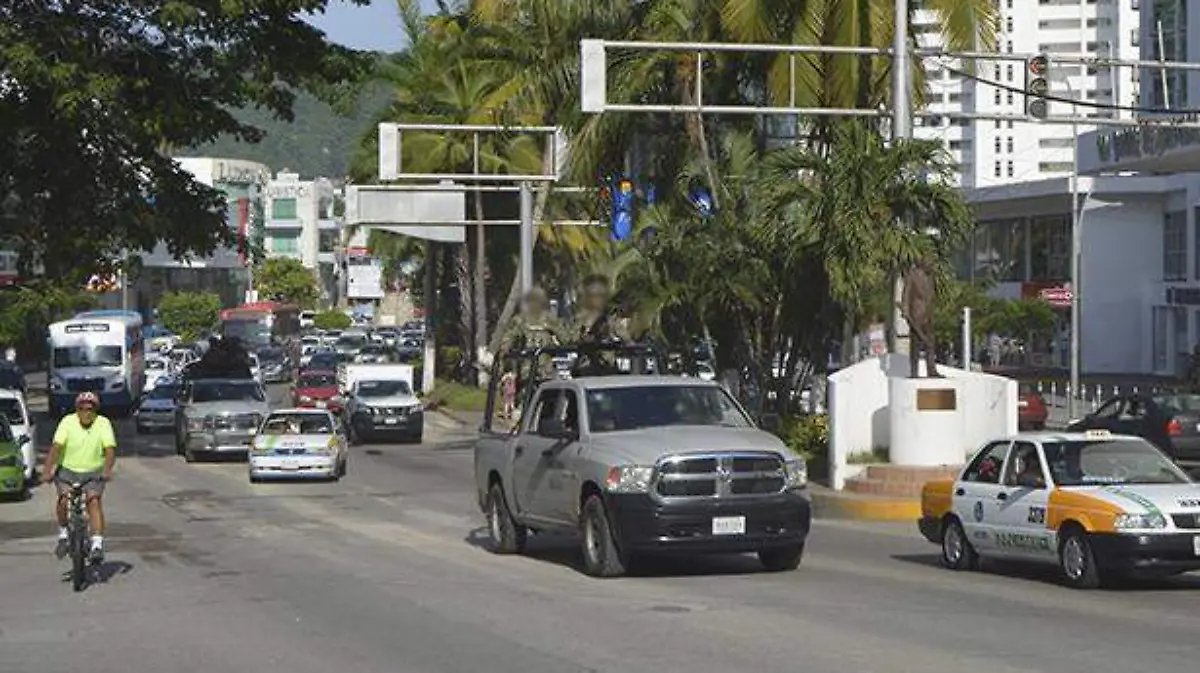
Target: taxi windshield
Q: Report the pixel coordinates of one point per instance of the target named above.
(1110, 461)
(297, 424)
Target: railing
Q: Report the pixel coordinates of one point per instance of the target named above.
(1057, 396)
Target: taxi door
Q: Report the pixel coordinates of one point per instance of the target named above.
(1020, 524)
(976, 501)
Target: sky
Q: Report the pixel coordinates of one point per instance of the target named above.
(375, 27)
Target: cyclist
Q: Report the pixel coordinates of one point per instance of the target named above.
(84, 450)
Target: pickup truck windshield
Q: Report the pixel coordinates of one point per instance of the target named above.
(383, 388)
(227, 391)
(631, 408)
(1110, 462)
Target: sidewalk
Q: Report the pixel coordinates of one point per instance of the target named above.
(466, 419)
(830, 504)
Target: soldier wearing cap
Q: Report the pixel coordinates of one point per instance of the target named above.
(595, 321)
(535, 326)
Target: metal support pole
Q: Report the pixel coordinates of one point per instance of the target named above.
(901, 130)
(1076, 252)
(966, 338)
(429, 367)
(528, 235)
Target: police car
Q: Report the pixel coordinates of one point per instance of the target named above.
(299, 443)
(1095, 504)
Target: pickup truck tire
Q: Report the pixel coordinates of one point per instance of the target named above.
(505, 534)
(780, 559)
(602, 557)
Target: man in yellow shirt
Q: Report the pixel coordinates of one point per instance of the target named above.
(84, 451)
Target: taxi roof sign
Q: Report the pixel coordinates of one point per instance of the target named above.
(1097, 434)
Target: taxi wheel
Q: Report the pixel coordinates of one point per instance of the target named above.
(1076, 560)
(957, 552)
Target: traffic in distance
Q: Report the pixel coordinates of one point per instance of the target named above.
(603, 442)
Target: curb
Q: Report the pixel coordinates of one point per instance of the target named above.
(835, 505)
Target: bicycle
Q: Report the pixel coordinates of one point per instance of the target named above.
(78, 535)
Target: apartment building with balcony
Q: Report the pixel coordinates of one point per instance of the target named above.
(300, 223)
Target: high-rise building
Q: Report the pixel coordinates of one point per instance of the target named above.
(300, 223)
(991, 153)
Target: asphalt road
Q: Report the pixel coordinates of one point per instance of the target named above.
(384, 572)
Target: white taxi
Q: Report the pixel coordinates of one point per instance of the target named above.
(298, 444)
(1095, 504)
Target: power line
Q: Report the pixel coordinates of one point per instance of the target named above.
(1071, 101)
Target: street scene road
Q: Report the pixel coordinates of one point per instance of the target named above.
(385, 571)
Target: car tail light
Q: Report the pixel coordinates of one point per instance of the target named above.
(1174, 428)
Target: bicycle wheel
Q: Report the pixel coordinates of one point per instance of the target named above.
(78, 560)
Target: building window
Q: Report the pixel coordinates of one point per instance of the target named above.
(283, 209)
(1000, 250)
(329, 240)
(1008, 72)
(1008, 25)
(1174, 243)
(1009, 96)
(996, 70)
(285, 244)
(1008, 47)
(1161, 316)
(1010, 169)
(1009, 145)
(997, 95)
(1055, 166)
(997, 144)
(1010, 124)
(1050, 249)
(997, 171)
(997, 102)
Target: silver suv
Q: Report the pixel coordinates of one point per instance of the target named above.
(639, 464)
(219, 416)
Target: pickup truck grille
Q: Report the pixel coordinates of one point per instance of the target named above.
(725, 475)
(234, 422)
(88, 385)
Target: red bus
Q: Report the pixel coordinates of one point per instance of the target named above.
(259, 324)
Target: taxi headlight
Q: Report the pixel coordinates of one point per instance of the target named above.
(629, 479)
(796, 473)
(1139, 521)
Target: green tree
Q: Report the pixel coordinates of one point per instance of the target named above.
(332, 319)
(95, 94)
(27, 309)
(189, 314)
(287, 280)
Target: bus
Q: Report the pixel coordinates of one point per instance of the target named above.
(260, 324)
(100, 352)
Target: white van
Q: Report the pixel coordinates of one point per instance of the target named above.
(307, 318)
(13, 406)
(99, 352)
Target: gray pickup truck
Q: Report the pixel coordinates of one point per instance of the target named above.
(640, 464)
(219, 416)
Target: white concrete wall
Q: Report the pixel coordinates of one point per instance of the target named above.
(858, 410)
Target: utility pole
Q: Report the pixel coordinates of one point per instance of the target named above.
(901, 130)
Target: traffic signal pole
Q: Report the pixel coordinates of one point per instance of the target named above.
(901, 130)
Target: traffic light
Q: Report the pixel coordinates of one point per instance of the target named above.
(623, 198)
(1037, 86)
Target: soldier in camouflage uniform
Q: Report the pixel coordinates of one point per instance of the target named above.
(595, 322)
(535, 326)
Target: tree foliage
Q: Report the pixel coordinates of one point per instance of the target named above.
(189, 314)
(95, 91)
(287, 280)
(332, 319)
(26, 310)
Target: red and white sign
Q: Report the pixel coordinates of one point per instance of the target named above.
(1058, 297)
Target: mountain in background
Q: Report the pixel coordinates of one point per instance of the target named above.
(318, 143)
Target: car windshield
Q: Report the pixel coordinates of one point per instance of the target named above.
(297, 424)
(10, 410)
(270, 355)
(325, 358)
(1110, 461)
(374, 350)
(6, 433)
(351, 340)
(629, 408)
(317, 381)
(227, 391)
(165, 392)
(1174, 405)
(87, 356)
(383, 388)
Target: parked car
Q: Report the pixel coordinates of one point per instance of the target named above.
(1170, 421)
(13, 483)
(1031, 410)
(317, 389)
(299, 443)
(15, 409)
(157, 409)
(12, 377)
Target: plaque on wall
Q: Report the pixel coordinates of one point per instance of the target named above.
(937, 399)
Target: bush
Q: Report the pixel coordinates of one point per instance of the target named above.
(456, 396)
(189, 314)
(807, 435)
(332, 319)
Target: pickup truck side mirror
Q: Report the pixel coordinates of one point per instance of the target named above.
(23, 440)
(770, 422)
(556, 429)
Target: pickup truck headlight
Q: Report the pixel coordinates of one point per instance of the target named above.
(796, 473)
(196, 424)
(1139, 521)
(629, 479)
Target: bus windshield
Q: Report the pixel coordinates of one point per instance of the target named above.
(249, 331)
(87, 356)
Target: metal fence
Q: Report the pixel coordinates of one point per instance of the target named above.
(1057, 394)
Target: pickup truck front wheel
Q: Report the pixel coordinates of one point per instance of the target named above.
(601, 555)
(506, 535)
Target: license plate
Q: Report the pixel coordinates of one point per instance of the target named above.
(735, 525)
(1196, 545)
(391, 421)
(290, 468)
(321, 404)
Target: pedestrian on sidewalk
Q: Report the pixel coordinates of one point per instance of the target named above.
(508, 388)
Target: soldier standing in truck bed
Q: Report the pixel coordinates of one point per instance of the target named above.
(595, 321)
(535, 326)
